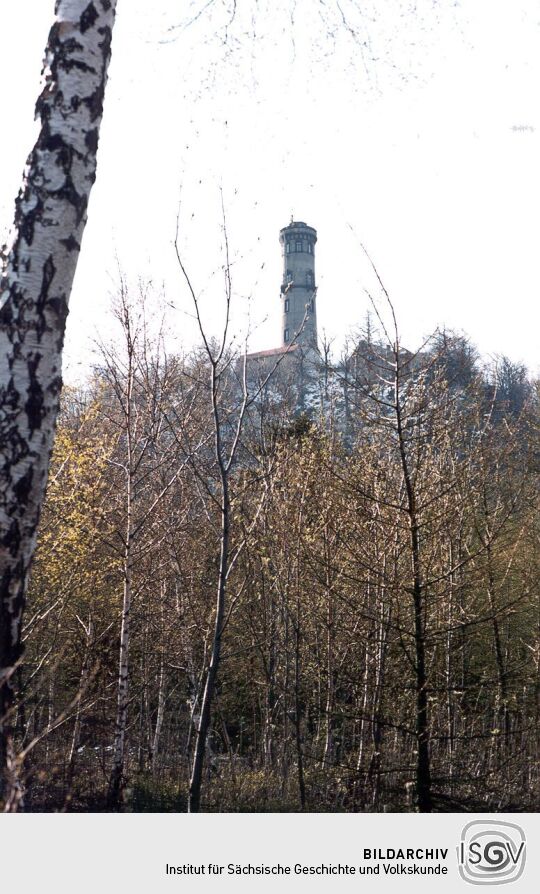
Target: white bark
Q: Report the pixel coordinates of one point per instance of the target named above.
(85, 675)
(160, 715)
(119, 751)
(37, 275)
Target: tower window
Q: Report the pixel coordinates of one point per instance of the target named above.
(309, 278)
(287, 305)
(288, 247)
(286, 336)
(289, 276)
(310, 248)
(298, 246)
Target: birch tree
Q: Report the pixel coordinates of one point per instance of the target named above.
(37, 276)
(137, 378)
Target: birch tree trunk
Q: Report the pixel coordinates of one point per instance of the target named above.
(159, 716)
(37, 276)
(76, 737)
(130, 434)
(122, 699)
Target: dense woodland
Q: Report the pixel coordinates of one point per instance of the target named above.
(237, 606)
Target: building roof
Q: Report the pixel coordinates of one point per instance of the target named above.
(273, 352)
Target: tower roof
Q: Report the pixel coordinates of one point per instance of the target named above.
(294, 227)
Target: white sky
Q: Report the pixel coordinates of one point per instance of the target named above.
(418, 137)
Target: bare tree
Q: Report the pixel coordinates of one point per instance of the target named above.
(146, 464)
(230, 398)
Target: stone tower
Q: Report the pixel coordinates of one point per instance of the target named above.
(298, 290)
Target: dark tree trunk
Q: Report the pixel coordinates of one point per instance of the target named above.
(213, 667)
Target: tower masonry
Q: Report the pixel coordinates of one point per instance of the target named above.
(298, 289)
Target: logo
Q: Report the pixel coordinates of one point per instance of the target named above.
(491, 853)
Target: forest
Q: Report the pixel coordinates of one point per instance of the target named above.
(239, 606)
(310, 584)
